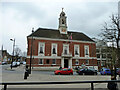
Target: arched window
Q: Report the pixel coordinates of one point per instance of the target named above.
(63, 21)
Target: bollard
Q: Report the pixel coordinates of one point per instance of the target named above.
(25, 75)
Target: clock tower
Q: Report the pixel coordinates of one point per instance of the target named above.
(62, 23)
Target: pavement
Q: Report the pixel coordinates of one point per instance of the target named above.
(17, 75)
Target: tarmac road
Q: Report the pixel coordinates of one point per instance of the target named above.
(17, 75)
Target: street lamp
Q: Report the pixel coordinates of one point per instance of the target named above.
(31, 50)
(13, 51)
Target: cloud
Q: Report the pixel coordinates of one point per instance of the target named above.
(18, 18)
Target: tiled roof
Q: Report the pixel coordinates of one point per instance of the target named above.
(55, 34)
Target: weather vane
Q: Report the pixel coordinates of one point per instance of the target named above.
(62, 9)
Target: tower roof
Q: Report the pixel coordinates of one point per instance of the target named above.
(62, 13)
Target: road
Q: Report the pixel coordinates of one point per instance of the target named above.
(17, 75)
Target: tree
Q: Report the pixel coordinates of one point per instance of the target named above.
(17, 52)
(111, 33)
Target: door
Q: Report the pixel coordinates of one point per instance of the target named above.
(65, 63)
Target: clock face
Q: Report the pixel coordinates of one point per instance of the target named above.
(63, 30)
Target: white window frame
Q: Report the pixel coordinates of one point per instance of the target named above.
(87, 63)
(78, 51)
(76, 61)
(43, 44)
(54, 63)
(54, 44)
(65, 45)
(39, 61)
(86, 47)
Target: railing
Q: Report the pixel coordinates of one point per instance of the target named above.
(72, 82)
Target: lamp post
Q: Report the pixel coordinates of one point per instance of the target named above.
(13, 51)
(31, 50)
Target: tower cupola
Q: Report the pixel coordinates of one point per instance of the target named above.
(62, 23)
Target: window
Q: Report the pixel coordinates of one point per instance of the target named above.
(47, 61)
(41, 61)
(69, 69)
(98, 55)
(86, 50)
(77, 62)
(65, 49)
(103, 55)
(63, 21)
(54, 49)
(64, 69)
(76, 49)
(97, 50)
(54, 61)
(41, 48)
(109, 56)
(87, 62)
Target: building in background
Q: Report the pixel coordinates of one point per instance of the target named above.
(103, 53)
(54, 48)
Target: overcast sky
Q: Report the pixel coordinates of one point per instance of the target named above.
(18, 18)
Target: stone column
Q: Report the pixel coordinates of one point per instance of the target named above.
(70, 62)
(62, 62)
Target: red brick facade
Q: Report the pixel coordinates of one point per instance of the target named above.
(48, 45)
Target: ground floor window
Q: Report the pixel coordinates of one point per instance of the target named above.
(41, 61)
(87, 62)
(77, 62)
(47, 61)
(54, 61)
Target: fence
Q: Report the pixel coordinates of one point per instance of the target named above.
(39, 83)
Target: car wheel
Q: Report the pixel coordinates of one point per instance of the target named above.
(59, 73)
(71, 73)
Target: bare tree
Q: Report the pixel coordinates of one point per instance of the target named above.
(111, 33)
(17, 52)
(24, 54)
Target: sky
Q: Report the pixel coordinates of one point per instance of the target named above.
(18, 17)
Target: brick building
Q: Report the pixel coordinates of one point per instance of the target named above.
(54, 48)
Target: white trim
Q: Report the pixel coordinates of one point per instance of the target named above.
(59, 57)
(41, 38)
(55, 49)
(66, 45)
(86, 46)
(78, 50)
(41, 43)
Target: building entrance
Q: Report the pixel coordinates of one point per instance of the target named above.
(65, 63)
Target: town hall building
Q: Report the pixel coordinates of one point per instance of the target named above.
(54, 48)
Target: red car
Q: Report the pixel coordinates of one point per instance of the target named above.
(68, 71)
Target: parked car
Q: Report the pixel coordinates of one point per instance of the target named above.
(105, 71)
(3, 63)
(18, 63)
(24, 63)
(14, 64)
(87, 72)
(68, 71)
(117, 70)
